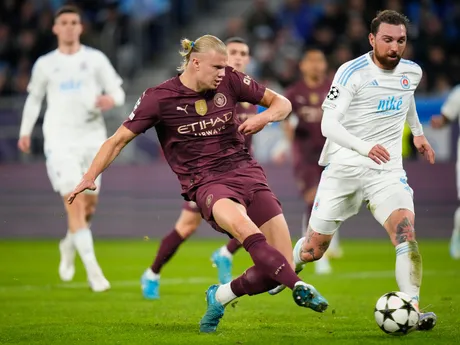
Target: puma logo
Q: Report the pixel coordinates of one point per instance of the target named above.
(183, 109)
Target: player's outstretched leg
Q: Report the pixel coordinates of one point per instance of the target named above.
(252, 282)
(455, 239)
(273, 263)
(222, 260)
(186, 225)
(400, 228)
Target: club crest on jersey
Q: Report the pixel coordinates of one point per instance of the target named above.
(333, 94)
(201, 107)
(314, 98)
(220, 100)
(209, 200)
(405, 82)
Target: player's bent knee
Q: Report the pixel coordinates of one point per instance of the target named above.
(232, 217)
(186, 227)
(90, 211)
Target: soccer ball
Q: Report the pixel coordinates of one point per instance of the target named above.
(395, 313)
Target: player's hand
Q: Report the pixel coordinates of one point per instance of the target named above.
(424, 147)
(379, 154)
(85, 183)
(254, 124)
(105, 102)
(438, 121)
(24, 144)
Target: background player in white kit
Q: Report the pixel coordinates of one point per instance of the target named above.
(449, 112)
(73, 78)
(370, 100)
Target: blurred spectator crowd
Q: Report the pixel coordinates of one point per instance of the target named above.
(129, 32)
(341, 27)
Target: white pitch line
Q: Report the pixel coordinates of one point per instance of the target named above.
(209, 280)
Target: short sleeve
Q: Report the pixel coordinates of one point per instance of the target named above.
(451, 107)
(342, 90)
(38, 80)
(245, 88)
(145, 114)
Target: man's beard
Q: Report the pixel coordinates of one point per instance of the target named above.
(385, 60)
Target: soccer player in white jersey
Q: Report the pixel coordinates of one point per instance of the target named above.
(371, 98)
(449, 112)
(73, 77)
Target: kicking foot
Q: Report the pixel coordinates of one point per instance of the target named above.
(214, 312)
(305, 295)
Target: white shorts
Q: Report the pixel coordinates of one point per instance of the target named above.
(66, 168)
(343, 189)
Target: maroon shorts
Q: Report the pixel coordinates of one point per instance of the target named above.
(307, 172)
(247, 186)
(191, 206)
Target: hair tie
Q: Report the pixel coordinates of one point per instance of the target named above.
(192, 44)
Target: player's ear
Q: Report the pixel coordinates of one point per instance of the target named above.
(196, 64)
(372, 40)
(55, 29)
(80, 28)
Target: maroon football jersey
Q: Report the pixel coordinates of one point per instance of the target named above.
(244, 110)
(306, 104)
(198, 132)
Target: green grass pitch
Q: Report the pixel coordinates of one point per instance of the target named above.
(36, 308)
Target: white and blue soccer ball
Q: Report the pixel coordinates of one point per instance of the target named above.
(396, 314)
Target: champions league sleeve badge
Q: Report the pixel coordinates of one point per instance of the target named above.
(333, 93)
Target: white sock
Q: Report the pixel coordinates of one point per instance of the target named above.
(296, 252)
(335, 243)
(150, 275)
(409, 269)
(457, 221)
(224, 252)
(83, 241)
(304, 225)
(68, 239)
(224, 294)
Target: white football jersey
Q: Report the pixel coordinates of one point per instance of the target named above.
(451, 107)
(71, 84)
(451, 110)
(374, 104)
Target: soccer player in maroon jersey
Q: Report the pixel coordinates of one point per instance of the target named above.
(303, 129)
(205, 148)
(190, 217)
